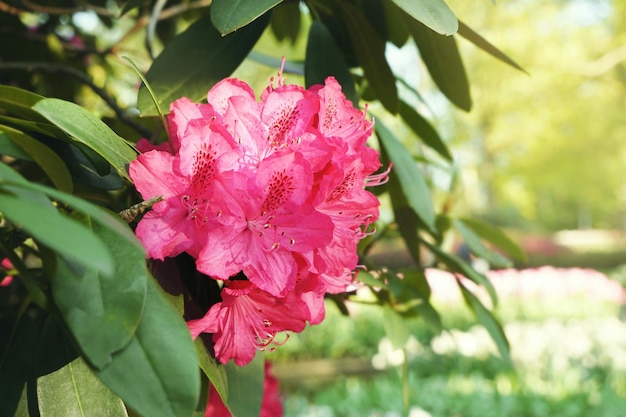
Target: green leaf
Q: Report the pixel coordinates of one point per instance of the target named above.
(207, 58)
(229, 15)
(435, 14)
(486, 46)
(491, 324)
(286, 21)
(457, 265)
(245, 387)
(49, 162)
(60, 233)
(478, 248)
(323, 58)
(9, 148)
(102, 311)
(19, 102)
(156, 374)
(210, 367)
(397, 31)
(496, 237)
(412, 182)
(369, 49)
(75, 391)
(424, 130)
(441, 56)
(87, 129)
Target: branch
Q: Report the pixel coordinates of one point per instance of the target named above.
(85, 79)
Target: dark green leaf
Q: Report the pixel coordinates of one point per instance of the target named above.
(369, 49)
(75, 391)
(486, 46)
(457, 265)
(397, 31)
(424, 130)
(49, 162)
(156, 374)
(58, 232)
(411, 179)
(492, 325)
(442, 58)
(435, 14)
(478, 248)
(87, 129)
(229, 15)
(102, 311)
(245, 387)
(496, 237)
(323, 59)
(207, 58)
(286, 21)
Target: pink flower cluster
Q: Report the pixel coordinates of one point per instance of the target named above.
(269, 197)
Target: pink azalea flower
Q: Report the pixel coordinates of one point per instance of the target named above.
(271, 190)
(194, 197)
(271, 405)
(276, 223)
(248, 319)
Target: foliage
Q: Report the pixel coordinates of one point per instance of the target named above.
(82, 301)
(546, 148)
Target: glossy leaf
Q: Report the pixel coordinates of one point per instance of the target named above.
(62, 234)
(245, 387)
(87, 129)
(369, 50)
(478, 248)
(491, 324)
(96, 213)
(323, 59)
(441, 56)
(75, 391)
(496, 237)
(457, 265)
(486, 46)
(435, 14)
(156, 374)
(207, 57)
(49, 162)
(424, 130)
(102, 311)
(410, 177)
(229, 15)
(19, 102)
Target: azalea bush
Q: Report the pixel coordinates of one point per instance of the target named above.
(148, 260)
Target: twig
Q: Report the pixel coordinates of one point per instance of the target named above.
(57, 68)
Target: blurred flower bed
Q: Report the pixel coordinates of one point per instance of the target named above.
(567, 342)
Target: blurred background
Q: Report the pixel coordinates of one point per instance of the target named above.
(541, 154)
